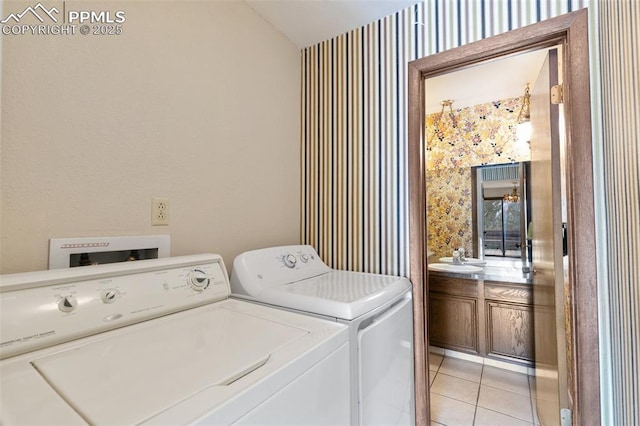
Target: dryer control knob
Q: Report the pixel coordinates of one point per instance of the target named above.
(304, 257)
(109, 295)
(198, 280)
(289, 260)
(67, 304)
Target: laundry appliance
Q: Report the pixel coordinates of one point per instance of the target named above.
(160, 342)
(376, 308)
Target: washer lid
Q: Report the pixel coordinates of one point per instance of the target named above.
(133, 376)
(340, 294)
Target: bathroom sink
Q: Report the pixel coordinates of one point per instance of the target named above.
(467, 261)
(449, 267)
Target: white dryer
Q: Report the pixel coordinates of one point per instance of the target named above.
(159, 342)
(377, 309)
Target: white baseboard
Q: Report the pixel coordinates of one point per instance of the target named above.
(481, 360)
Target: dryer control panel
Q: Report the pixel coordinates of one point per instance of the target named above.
(39, 309)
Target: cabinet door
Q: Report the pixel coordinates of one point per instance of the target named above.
(453, 322)
(510, 330)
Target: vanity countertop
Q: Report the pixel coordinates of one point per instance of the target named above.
(491, 272)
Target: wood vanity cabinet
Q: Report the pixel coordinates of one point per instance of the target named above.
(509, 319)
(453, 313)
(486, 318)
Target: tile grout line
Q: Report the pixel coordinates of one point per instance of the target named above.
(475, 411)
(533, 421)
(529, 397)
(507, 415)
(508, 390)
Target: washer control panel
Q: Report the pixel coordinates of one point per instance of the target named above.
(291, 257)
(253, 271)
(39, 309)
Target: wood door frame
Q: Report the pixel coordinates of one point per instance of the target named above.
(571, 32)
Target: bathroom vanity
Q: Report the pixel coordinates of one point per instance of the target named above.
(488, 314)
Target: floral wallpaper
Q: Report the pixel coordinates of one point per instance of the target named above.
(478, 135)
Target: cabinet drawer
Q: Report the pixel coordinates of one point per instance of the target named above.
(516, 293)
(453, 286)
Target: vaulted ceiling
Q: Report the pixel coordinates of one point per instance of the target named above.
(308, 22)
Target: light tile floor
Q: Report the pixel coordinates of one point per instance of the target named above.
(465, 393)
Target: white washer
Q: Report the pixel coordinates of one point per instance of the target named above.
(377, 309)
(159, 342)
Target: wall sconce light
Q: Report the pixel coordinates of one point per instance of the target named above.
(436, 126)
(512, 197)
(523, 131)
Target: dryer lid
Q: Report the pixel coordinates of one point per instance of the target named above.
(341, 294)
(133, 376)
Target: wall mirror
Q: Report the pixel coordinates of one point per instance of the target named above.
(569, 33)
(501, 213)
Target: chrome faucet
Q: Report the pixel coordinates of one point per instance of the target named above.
(462, 258)
(456, 257)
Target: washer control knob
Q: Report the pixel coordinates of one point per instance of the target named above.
(289, 260)
(198, 280)
(67, 304)
(110, 295)
(304, 257)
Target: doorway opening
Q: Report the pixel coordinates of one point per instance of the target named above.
(570, 32)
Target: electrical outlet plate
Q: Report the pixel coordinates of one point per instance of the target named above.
(159, 211)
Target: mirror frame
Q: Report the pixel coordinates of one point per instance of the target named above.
(571, 31)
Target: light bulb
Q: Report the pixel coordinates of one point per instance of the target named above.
(524, 131)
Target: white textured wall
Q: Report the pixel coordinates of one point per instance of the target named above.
(195, 101)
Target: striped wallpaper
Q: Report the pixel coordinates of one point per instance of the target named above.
(354, 147)
(619, 41)
(353, 124)
(354, 157)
